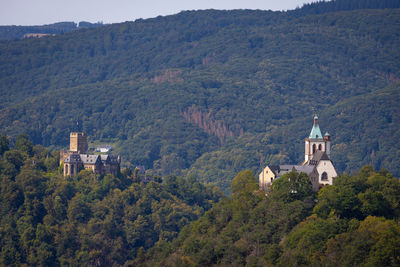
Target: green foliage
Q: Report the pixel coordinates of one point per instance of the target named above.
(291, 186)
(3, 144)
(368, 193)
(250, 77)
(244, 183)
(47, 220)
(345, 229)
(24, 144)
(244, 229)
(278, 229)
(320, 7)
(309, 236)
(18, 32)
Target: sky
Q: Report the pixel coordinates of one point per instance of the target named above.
(39, 12)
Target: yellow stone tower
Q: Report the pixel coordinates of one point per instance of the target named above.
(78, 142)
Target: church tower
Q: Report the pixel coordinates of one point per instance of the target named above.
(316, 142)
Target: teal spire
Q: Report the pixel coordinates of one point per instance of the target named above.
(315, 131)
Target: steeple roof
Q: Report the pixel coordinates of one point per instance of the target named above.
(315, 131)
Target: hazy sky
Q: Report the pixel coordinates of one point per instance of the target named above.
(38, 12)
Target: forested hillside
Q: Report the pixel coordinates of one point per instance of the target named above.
(18, 32)
(354, 222)
(209, 93)
(49, 220)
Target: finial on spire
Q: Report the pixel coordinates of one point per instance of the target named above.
(315, 120)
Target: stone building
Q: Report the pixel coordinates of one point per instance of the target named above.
(317, 163)
(77, 158)
(78, 142)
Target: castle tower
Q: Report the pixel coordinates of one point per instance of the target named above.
(78, 142)
(316, 142)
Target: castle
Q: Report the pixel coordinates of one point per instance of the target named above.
(77, 158)
(317, 163)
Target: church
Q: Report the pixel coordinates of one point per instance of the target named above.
(317, 163)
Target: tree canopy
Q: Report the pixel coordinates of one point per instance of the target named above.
(288, 227)
(211, 93)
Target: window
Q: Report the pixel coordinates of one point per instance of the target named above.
(324, 176)
(313, 148)
(320, 147)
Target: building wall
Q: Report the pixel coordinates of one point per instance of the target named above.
(314, 177)
(63, 155)
(326, 166)
(265, 178)
(309, 152)
(71, 169)
(328, 148)
(78, 142)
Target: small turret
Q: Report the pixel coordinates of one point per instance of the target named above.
(327, 137)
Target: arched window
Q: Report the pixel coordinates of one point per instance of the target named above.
(72, 170)
(313, 148)
(319, 147)
(324, 176)
(66, 169)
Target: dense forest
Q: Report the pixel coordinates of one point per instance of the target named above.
(130, 220)
(320, 7)
(354, 222)
(203, 100)
(49, 220)
(18, 32)
(210, 93)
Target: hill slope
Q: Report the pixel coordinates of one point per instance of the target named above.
(353, 223)
(18, 32)
(212, 92)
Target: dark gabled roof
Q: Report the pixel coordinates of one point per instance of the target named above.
(275, 169)
(110, 159)
(320, 155)
(105, 159)
(308, 169)
(89, 159)
(73, 158)
(299, 168)
(115, 159)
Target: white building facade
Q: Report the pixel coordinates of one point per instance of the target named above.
(317, 163)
